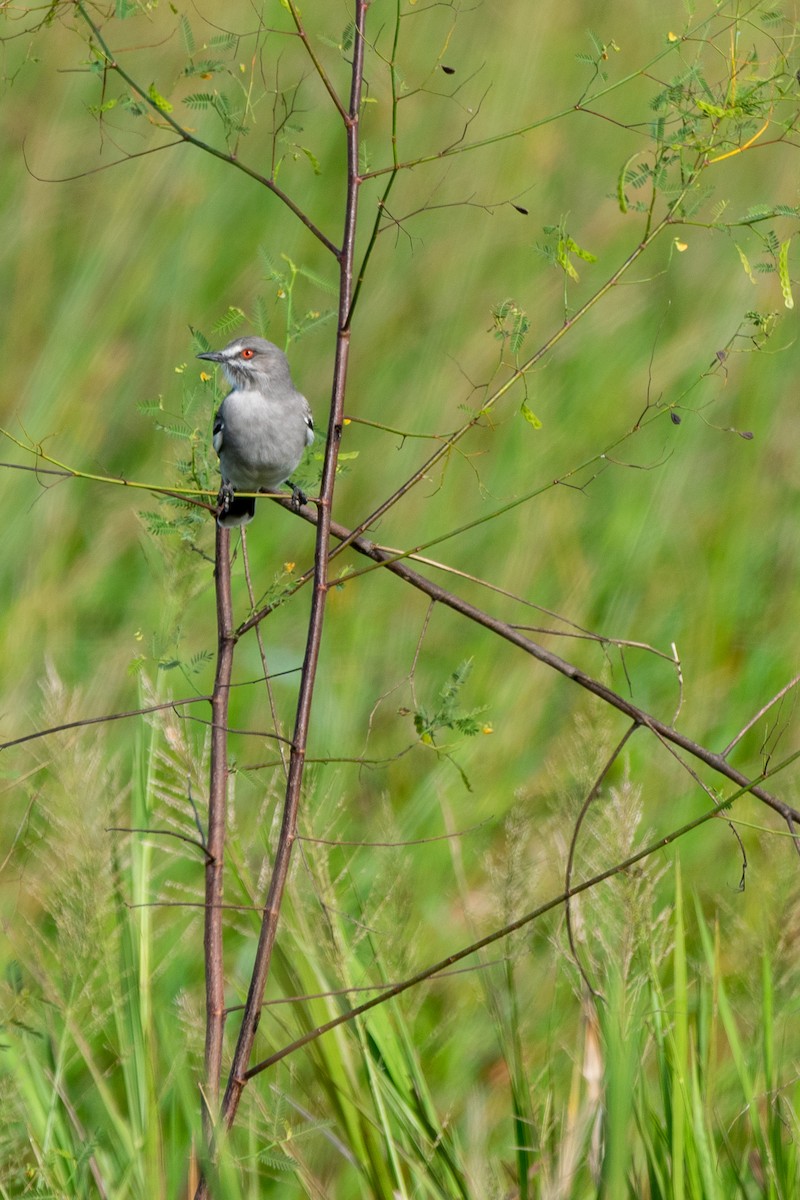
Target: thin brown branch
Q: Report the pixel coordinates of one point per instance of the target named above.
(318, 67)
(173, 833)
(715, 761)
(305, 997)
(215, 838)
(591, 797)
(392, 845)
(263, 655)
(113, 64)
(288, 833)
(96, 170)
(757, 717)
(438, 968)
(119, 716)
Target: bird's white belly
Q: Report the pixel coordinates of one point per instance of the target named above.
(257, 452)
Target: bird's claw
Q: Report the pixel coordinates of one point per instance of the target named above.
(224, 499)
(299, 498)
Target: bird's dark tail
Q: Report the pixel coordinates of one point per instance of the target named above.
(240, 510)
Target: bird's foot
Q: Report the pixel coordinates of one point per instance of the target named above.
(225, 499)
(299, 498)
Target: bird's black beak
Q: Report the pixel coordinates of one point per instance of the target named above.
(212, 356)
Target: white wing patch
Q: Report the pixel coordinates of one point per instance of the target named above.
(217, 437)
(308, 417)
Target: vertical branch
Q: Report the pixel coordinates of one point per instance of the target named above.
(288, 833)
(215, 842)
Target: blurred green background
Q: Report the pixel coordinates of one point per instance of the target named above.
(689, 537)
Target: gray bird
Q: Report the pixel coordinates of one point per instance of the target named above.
(261, 429)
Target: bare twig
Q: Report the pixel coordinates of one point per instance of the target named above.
(592, 796)
(757, 717)
(715, 761)
(118, 716)
(113, 64)
(437, 968)
(267, 679)
(318, 67)
(215, 844)
(288, 833)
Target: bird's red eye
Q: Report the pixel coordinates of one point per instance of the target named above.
(247, 352)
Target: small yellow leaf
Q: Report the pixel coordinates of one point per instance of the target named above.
(672, 37)
(346, 421)
(745, 263)
(487, 729)
(681, 246)
(783, 274)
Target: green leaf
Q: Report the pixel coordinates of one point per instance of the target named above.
(574, 248)
(133, 106)
(160, 101)
(748, 270)
(199, 100)
(530, 416)
(312, 159)
(186, 34)
(230, 320)
(713, 110)
(783, 274)
(563, 260)
(204, 66)
(511, 323)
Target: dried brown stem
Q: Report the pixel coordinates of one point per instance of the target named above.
(113, 64)
(438, 968)
(592, 796)
(510, 634)
(215, 838)
(288, 832)
(117, 716)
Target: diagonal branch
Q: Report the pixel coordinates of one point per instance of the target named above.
(318, 67)
(442, 966)
(185, 136)
(510, 633)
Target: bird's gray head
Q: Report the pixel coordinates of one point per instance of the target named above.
(250, 361)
